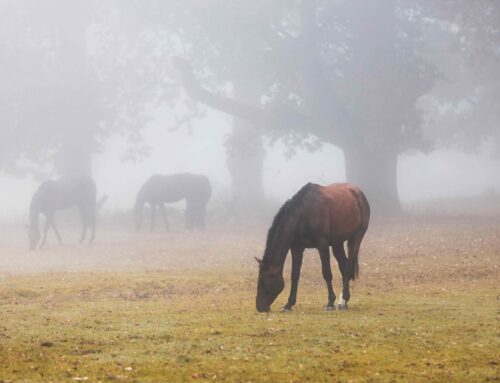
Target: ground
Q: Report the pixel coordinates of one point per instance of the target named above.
(181, 307)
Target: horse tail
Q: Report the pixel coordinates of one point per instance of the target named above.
(354, 244)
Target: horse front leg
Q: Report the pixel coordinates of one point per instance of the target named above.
(92, 230)
(189, 216)
(153, 217)
(83, 218)
(54, 227)
(324, 253)
(164, 215)
(297, 256)
(45, 231)
(84, 232)
(339, 253)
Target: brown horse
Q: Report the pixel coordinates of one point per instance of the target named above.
(316, 217)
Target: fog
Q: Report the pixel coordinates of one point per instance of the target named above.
(170, 170)
(444, 173)
(398, 98)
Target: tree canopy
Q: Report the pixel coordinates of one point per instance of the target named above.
(373, 78)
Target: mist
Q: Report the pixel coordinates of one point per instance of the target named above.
(421, 177)
(169, 168)
(126, 115)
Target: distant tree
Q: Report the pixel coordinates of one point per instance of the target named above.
(62, 94)
(463, 110)
(230, 41)
(375, 79)
(352, 76)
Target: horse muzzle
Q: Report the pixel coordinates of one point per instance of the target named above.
(262, 307)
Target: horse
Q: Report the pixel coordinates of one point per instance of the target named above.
(62, 194)
(161, 189)
(315, 217)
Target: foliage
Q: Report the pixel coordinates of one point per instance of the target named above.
(70, 81)
(462, 39)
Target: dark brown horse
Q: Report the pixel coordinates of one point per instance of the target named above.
(160, 189)
(58, 195)
(316, 217)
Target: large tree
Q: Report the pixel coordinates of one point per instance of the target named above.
(361, 75)
(355, 72)
(238, 64)
(62, 91)
(462, 38)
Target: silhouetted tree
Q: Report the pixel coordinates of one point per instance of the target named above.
(463, 110)
(62, 92)
(229, 41)
(354, 74)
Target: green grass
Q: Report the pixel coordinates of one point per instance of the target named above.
(202, 326)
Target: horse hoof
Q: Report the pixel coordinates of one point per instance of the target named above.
(342, 307)
(286, 309)
(329, 308)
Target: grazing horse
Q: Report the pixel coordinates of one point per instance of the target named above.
(316, 217)
(161, 189)
(58, 195)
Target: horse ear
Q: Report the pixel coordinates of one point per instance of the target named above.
(259, 261)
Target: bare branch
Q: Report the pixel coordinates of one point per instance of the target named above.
(261, 117)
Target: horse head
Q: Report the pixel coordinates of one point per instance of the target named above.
(269, 285)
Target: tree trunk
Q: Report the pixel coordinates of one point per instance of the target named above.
(77, 116)
(245, 155)
(375, 172)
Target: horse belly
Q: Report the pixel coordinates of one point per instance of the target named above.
(312, 232)
(344, 226)
(164, 196)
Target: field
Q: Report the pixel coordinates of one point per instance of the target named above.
(181, 307)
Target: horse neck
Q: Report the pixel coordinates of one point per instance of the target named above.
(277, 250)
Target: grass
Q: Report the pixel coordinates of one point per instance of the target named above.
(139, 327)
(412, 318)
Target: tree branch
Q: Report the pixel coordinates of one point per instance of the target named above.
(255, 115)
(258, 116)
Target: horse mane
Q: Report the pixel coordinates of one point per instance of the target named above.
(289, 207)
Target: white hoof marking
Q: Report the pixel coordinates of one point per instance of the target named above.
(341, 301)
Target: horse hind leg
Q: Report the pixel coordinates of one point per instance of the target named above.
(203, 216)
(54, 227)
(339, 253)
(350, 266)
(189, 215)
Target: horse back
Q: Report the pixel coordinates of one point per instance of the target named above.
(173, 188)
(65, 193)
(346, 210)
